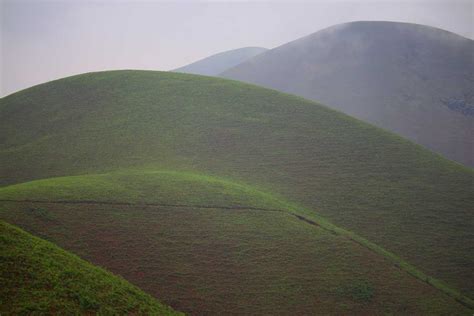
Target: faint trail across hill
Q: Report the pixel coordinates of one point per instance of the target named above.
(82, 202)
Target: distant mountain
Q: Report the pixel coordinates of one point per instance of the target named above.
(215, 64)
(415, 80)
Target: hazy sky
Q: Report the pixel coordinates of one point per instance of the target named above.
(46, 40)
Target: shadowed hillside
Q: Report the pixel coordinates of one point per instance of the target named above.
(215, 64)
(411, 79)
(40, 278)
(387, 190)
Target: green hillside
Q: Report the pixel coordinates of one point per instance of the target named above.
(38, 277)
(143, 186)
(132, 125)
(226, 248)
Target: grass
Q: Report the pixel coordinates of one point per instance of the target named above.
(49, 280)
(403, 199)
(145, 186)
(184, 190)
(396, 260)
(359, 290)
(214, 261)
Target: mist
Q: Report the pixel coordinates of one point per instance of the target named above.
(47, 40)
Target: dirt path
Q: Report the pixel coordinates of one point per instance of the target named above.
(91, 202)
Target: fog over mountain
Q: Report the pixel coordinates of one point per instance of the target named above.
(215, 64)
(47, 40)
(412, 79)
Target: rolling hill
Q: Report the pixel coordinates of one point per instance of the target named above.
(234, 183)
(38, 277)
(207, 245)
(215, 64)
(414, 80)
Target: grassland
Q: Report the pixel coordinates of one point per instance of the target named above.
(116, 129)
(239, 233)
(144, 187)
(40, 278)
(217, 261)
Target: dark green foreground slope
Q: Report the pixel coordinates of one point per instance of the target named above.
(382, 187)
(38, 277)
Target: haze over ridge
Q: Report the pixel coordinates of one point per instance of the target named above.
(75, 37)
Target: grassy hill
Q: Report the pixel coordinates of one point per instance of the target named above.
(412, 79)
(138, 129)
(38, 277)
(226, 248)
(217, 63)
